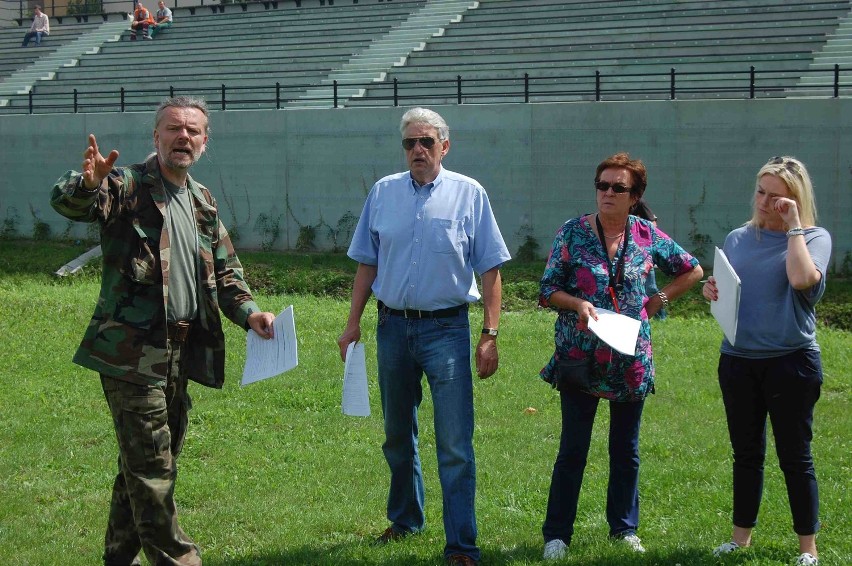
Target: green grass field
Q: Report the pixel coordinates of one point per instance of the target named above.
(274, 474)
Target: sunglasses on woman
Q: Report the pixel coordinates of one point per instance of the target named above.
(617, 188)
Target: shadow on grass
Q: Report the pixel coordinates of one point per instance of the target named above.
(360, 555)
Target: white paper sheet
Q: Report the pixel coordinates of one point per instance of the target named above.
(356, 398)
(727, 308)
(617, 330)
(268, 358)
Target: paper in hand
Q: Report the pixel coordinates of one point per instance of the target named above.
(268, 358)
(617, 330)
(726, 309)
(356, 398)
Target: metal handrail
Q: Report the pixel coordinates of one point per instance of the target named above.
(524, 88)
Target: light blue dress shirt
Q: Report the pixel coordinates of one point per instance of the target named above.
(428, 240)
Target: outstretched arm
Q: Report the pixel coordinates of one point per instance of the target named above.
(95, 166)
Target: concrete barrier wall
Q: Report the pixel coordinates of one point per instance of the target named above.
(303, 175)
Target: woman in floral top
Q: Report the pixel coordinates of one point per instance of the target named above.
(601, 261)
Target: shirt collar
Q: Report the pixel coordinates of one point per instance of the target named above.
(428, 186)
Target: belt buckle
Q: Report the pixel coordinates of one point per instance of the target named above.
(181, 329)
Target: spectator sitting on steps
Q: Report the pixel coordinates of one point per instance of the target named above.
(163, 19)
(39, 27)
(142, 22)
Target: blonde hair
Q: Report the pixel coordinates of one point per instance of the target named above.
(795, 176)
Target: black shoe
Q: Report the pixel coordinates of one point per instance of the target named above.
(461, 560)
(390, 535)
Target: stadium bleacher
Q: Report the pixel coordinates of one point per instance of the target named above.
(266, 55)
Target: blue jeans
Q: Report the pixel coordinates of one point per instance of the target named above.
(32, 34)
(786, 388)
(440, 348)
(622, 497)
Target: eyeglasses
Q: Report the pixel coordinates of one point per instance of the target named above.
(788, 163)
(617, 188)
(409, 143)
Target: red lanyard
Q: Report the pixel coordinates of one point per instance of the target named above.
(614, 272)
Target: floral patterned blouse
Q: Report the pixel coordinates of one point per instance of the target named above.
(578, 265)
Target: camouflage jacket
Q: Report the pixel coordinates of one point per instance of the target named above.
(126, 337)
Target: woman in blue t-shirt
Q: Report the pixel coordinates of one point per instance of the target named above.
(773, 367)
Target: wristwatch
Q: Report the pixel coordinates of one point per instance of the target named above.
(490, 331)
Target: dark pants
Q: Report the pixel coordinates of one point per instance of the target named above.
(139, 28)
(32, 34)
(786, 388)
(150, 426)
(622, 498)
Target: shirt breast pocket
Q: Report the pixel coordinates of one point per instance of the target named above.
(445, 237)
(142, 266)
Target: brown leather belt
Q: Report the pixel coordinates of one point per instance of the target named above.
(415, 313)
(178, 331)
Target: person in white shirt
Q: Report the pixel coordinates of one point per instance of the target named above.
(162, 19)
(39, 27)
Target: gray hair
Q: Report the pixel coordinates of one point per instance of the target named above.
(183, 102)
(425, 116)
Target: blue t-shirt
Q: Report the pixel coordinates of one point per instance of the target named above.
(427, 241)
(774, 318)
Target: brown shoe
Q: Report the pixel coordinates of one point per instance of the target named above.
(461, 560)
(389, 535)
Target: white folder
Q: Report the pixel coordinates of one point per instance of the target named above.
(726, 309)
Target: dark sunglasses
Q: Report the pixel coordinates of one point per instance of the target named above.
(409, 143)
(617, 188)
(788, 164)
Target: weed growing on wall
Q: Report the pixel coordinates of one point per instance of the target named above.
(701, 242)
(269, 227)
(529, 248)
(41, 229)
(9, 231)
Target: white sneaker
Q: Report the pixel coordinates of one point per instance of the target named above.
(807, 559)
(726, 548)
(555, 549)
(633, 542)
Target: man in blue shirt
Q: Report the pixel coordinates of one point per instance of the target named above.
(421, 236)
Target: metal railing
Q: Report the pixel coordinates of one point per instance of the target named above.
(673, 85)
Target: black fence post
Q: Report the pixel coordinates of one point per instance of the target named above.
(278, 96)
(223, 97)
(672, 85)
(30, 95)
(526, 88)
(75, 101)
(597, 86)
(751, 83)
(122, 99)
(335, 93)
(836, 80)
(458, 89)
(395, 92)
(171, 91)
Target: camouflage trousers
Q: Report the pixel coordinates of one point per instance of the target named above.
(150, 426)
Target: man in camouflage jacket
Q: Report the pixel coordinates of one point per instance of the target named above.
(143, 355)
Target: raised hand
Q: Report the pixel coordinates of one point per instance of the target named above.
(788, 209)
(95, 166)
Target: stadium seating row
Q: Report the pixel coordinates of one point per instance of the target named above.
(569, 50)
